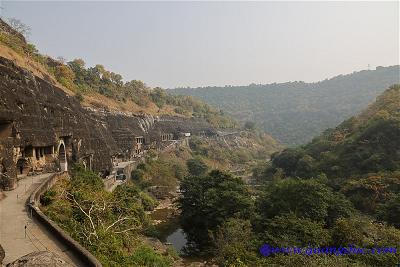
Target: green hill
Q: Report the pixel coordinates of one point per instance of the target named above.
(367, 143)
(360, 158)
(340, 190)
(295, 112)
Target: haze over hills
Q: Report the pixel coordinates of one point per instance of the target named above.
(295, 112)
(132, 175)
(361, 145)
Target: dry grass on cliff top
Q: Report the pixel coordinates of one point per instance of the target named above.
(94, 100)
(97, 100)
(27, 63)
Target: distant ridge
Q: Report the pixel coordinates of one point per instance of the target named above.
(295, 112)
(363, 144)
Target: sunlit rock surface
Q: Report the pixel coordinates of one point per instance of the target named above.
(40, 259)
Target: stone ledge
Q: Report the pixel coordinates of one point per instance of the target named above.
(34, 200)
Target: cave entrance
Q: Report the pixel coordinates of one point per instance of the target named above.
(5, 129)
(23, 166)
(3, 170)
(62, 157)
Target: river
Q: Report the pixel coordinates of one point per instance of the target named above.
(168, 228)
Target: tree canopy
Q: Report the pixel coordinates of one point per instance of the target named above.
(209, 200)
(295, 112)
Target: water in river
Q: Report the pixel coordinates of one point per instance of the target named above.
(177, 239)
(169, 229)
(170, 232)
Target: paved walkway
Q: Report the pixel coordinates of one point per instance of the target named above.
(14, 216)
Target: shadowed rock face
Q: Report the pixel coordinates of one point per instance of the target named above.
(40, 259)
(41, 127)
(2, 255)
(35, 117)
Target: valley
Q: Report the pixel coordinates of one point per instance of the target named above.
(295, 112)
(100, 170)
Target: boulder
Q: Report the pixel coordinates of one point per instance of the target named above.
(40, 259)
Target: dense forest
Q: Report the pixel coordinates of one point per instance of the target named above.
(295, 112)
(340, 191)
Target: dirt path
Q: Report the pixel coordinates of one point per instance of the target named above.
(13, 219)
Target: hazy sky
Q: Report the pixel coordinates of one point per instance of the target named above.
(172, 44)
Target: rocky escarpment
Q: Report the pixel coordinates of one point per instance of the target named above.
(155, 131)
(38, 120)
(42, 128)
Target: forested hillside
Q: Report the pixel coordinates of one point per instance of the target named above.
(338, 193)
(367, 143)
(295, 112)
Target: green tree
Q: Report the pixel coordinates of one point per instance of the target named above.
(65, 76)
(287, 160)
(289, 230)
(390, 211)
(367, 193)
(207, 201)
(196, 167)
(234, 243)
(77, 63)
(306, 167)
(158, 96)
(306, 198)
(250, 125)
(360, 231)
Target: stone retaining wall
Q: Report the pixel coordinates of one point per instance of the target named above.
(34, 202)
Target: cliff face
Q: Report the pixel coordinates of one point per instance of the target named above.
(43, 128)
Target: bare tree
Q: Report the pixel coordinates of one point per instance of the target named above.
(19, 26)
(97, 219)
(61, 59)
